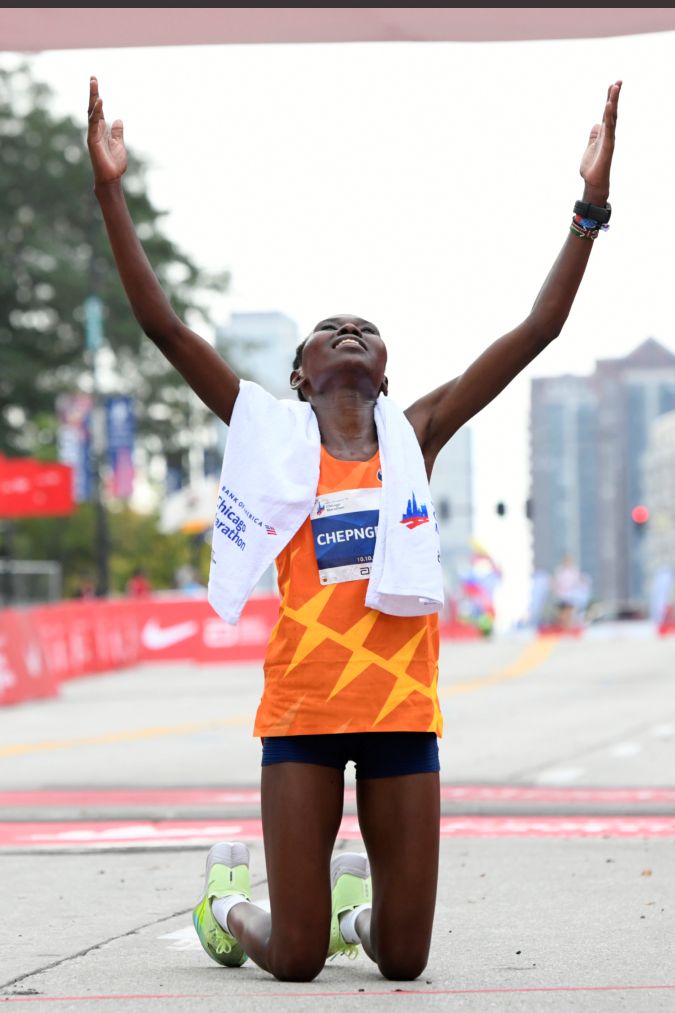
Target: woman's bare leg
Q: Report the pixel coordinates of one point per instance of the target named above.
(301, 813)
(399, 819)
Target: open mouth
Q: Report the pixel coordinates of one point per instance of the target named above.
(349, 340)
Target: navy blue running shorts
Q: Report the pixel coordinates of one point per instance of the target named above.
(375, 754)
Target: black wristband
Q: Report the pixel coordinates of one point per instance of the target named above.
(601, 215)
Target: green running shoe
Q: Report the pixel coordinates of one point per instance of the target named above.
(351, 886)
(226, 873)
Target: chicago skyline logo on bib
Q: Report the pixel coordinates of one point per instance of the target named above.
(415, 514)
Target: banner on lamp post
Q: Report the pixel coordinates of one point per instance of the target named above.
(120, 431)
(74, 414)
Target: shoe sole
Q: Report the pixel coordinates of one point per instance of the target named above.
(227, 853)
(350, 863)
(345, 863)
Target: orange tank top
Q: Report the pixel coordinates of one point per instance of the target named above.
(332, 664)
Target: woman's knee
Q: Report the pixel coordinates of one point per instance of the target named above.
(402, 968)
(297, 967)
(299, 959)
(401, 960)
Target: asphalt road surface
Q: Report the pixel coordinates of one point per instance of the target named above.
(557, 885)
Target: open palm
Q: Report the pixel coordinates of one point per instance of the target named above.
(106, 144)
(597, 158)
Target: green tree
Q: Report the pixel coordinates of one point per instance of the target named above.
(135, 543)
(54, 252)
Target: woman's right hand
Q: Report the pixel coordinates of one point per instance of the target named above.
(196, 359)
(106, 144)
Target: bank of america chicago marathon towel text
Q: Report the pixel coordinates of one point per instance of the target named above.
(228, 521)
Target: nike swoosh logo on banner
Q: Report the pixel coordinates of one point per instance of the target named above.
(32, 658)
(156, 637)
(7, 680)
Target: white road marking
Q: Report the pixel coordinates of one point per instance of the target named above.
(625, 749)
(560, 775)
(182, 939)
(663, 731)
(186, 939)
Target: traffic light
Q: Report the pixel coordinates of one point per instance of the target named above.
(639, 515)
(443, 512)
(500, 509)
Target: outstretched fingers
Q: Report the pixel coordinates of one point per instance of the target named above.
(611, 105)
(93, 95)
(95, 108)
(603, 133)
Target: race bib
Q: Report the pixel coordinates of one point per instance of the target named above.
(344, 526)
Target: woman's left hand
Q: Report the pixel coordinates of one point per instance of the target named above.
(597, 158)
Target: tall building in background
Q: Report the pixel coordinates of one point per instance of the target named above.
(659, 530)
(563, 460)
(588, 444)
(261, 347)
(451, 490)
(632, 393)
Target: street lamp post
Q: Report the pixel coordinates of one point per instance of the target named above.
(93, 311)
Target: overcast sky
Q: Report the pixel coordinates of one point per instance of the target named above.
(426, 186)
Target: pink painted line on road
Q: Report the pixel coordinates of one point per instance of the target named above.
(174, 833)
(131, 797)
(251, 796)
(313, 994)
(532, 793)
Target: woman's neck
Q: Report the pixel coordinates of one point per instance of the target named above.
(347, 425)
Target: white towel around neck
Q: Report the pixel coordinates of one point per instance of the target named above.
(268, 486)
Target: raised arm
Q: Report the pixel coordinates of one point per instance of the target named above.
(195, 359)
(439, 414)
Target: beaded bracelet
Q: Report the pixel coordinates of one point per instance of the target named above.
(587, 228)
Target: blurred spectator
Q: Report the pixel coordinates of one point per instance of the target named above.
(572, 592)
(188, 582)
(85, 589)
(138, 585)
(540, 590)
(660, 593)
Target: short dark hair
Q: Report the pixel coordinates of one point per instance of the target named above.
(297, 363)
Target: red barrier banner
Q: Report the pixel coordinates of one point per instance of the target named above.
(24, 673)
(81, 638)
(189, 629)
(452, 630)
(12, 667)
(43, 646)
